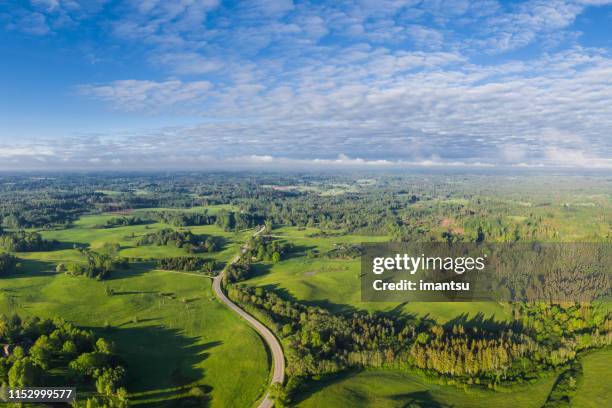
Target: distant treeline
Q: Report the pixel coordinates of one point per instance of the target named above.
(407, 208)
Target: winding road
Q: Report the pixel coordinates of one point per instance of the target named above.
(278, 358)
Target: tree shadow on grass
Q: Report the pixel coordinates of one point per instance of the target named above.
(309, 388)
(134, 269)
(132, 292)
(32, 268)
(299, 250)
(415, 399)
(139, 321)
(259, 269)
(480, 321)
(284, 294)
(162, 364)
(64, 245)
(419, 399)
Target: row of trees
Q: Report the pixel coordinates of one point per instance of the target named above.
(183, 239)
(36, 351)
(24, 241)
(124, 221)
(188, 264)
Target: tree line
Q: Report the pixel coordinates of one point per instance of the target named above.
(182, 239)
(25, 241)
(182, 218)
(188, 264)
(124, 221)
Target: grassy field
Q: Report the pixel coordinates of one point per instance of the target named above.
(85, 233)
(387, 389)
(595, 389)
(334, 283)
(168, 326)
(212, 209)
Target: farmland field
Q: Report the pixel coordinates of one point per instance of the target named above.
(168, 326)
(334, 283)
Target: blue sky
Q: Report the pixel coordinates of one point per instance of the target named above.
(129, 84)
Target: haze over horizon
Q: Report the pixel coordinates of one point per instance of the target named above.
(189, 84)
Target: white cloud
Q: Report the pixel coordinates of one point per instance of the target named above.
(26, 151)
(188, 63)
(556, 156)
(43, 17)
(133, 95)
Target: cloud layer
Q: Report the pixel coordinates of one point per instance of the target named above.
(347, 83)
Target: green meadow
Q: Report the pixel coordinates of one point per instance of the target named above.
(595, 388)
(393, 389)
(168, 326)
(335, 284)
(85, 233)
(389, 389)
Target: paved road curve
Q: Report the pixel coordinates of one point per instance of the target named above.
(278, 359)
